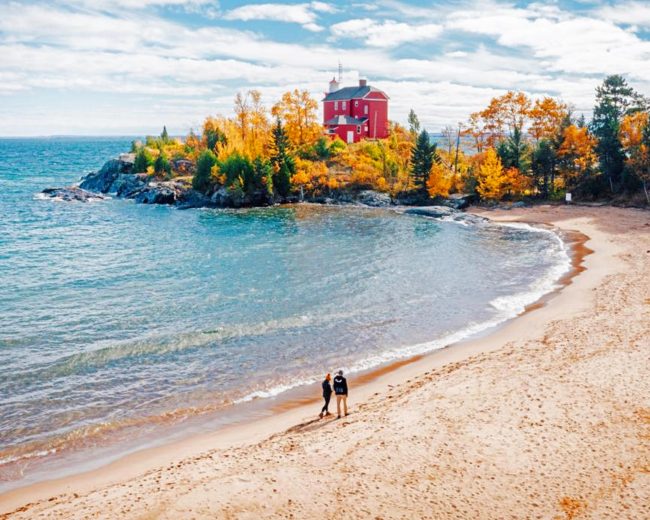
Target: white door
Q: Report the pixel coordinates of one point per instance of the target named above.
(350, 136)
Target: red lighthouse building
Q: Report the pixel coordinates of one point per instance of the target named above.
(355, 113)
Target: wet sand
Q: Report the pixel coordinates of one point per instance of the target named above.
(548, 417)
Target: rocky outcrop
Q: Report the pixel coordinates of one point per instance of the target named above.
(127, 185)
(103, 180)
(72, 193)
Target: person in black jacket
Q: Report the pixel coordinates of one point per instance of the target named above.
(327, 393)
(341, 391)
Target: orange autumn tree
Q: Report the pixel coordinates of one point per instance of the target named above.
(577, 154)
(298, 112)
(503, 115)
(547, 116)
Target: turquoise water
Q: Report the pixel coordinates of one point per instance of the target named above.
(117, 317)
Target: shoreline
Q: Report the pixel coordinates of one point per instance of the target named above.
(251, 411)
(66, 462)
(587, 272)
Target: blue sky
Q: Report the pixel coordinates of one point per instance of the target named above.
(110, 67)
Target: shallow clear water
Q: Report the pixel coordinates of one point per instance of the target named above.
(115, 315)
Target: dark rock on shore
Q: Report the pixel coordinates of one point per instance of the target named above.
(72, 193)
(458, 200)
(374, 198)
(102, 181)
(227, 198)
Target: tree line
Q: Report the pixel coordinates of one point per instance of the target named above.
(515, 147)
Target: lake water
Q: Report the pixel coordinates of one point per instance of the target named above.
(117, 317)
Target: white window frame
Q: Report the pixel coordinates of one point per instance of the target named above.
(356, 102)
(336, 105)
(358, 129)
(343, 104)
(365, 109)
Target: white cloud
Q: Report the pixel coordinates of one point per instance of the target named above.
(387, 33)
(560, 41)
(629, 13)
(162, 70)
(302, 14)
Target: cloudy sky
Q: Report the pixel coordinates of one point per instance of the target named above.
(126, 67)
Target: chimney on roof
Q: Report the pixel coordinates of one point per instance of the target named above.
(363, 82)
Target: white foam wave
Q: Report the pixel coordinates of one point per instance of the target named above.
(33, 455)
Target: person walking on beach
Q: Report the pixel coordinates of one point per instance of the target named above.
(327, 393)
(341, 391)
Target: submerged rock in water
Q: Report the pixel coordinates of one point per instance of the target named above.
(72, 193)
(444, 213)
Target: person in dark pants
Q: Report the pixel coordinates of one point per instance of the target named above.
(327, 393)
(341, 391)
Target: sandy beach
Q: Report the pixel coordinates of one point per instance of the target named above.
(548, 417)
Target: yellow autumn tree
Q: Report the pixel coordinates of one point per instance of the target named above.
(490, 178)
(312, 176)
(439, 181)
(576, 153)
(298, 112)
(494, 182)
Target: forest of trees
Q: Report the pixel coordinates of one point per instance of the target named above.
(516, 147)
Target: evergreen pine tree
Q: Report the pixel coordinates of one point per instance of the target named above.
(614, 99)
(282, 161)
(164, 136)
(423, 155)
(202, 180)
(142, 161)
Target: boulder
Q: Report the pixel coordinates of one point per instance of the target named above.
(374, 198)
(127, 185)
(183, 166)
(223, 198)
(458, 200)
(431, 211)
(72, 193)
(413, 198)
(102, 180)
(167, 192)
(193, 199)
